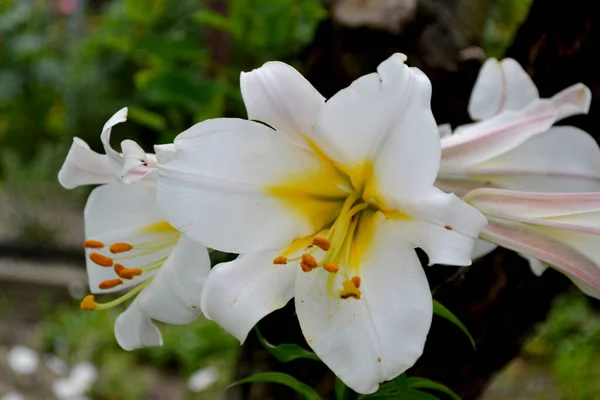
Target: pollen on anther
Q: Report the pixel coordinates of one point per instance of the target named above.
(88, 303)
(356, 281)
(309, 260)
(101, 260)
(305, 267)
(110, 283)
(331, 267)
(127, 273)
(120, 247)
(93, 244)
(280, 260)
(322, 243)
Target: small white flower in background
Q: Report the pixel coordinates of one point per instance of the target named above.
(514, 145)
(12, 396)
(80, 380)
(129, 246)
(558, 229)
(325, 201)
(23, 360)
(203, 379)
(58, 366)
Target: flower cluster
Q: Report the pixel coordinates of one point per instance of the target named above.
(325, 202)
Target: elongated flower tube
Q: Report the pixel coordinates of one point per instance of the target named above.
(561, 230)
(514, 145)
(325, 201)
(130, 248)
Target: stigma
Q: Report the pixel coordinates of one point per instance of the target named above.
(350, 288)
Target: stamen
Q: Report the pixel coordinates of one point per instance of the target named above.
(101, 260)
(280, 260)
(305, 267)
(125, 297)
(356, 281)
(88, 303)
(120, 247)
(109, 284)
(309, 260)
(331, 267)
(350, 289)
(127, 273)
(93, 244)
(321, 242)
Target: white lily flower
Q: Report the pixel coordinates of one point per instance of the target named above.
(325, 201)
(514, 146)
(558, 229)
(129, 245)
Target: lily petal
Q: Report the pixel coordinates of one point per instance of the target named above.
(173, 296)
(114, 157)
(240, 293)
(384, 117)
(377, 337)
(127, 214)
(232, 176)
(444, 130)
(441, 224)
(529, 240)
(137, 164)
(280, 96)
(482, 248)
(133, 330)
(482, 141)
(83, 166)
(500, 86)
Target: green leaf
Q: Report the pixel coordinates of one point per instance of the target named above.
(286, 352)
(424, 383)
(401, 384)
(441, 311)
(283, 379)
(395, 389)
(147, 118)
(418, 395)
(215, 20)
(341, 390)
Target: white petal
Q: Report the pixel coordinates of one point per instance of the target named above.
(475, 143)
(482, 248)
(443, 225)
(239, 186)
(121, 213)
(501, 86)
(585, 288)
(114, 157)
(281, 97)
(83, 166)
(136, 163)
(531, 240)
(173, 296)
(537, 267)
(384, 118)
(445, 130)
(574, 100)
(375, 338)
(23, 360)
(240, 293)
(202, 379)
(563, 159)
(133, 330)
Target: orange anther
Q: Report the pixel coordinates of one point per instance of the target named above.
(305, 267)
(331, 267)
(120, 247)
(127, 273)
(109, 284)
(321, 242)
(309, 260)
(356, 281)
(93, 244)
(88, 303)
(280, 260)
(101, 260)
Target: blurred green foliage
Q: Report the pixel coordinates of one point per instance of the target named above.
(75, 336)
(503, 22)
(67, 66)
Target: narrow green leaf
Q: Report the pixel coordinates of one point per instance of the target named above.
(401, 385)
(342, 392)
(424, 383)
(282, 379)
(286, 352)
(147, 118)
(418, 395)
(441, 311)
